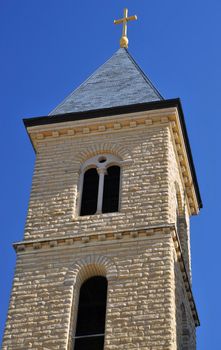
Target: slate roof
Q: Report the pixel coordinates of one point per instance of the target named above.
(118, 82)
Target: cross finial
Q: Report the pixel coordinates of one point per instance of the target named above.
(124, 39)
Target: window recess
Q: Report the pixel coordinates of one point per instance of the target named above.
(90, 328)
(100, 185)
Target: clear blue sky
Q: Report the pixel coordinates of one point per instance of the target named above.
(48, 47)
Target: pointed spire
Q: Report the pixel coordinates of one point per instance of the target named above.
(118, 82)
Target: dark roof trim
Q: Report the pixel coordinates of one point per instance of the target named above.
(97, 113)
(107, 112)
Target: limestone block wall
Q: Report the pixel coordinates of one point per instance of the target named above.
(135, 248)
(140, 306)
(178, 205)
(186, 331)
(54, 202)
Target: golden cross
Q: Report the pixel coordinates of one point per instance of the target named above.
(124, 39)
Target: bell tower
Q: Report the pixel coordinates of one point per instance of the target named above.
(105, 259)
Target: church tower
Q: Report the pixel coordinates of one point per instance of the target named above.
(105, 259)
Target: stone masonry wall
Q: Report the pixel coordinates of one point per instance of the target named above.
(53, 203)
(186, 334)
(140, 294)
(145, 283)
(185, 327)
(176, 188)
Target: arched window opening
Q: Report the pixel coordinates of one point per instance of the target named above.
(90, 326)
(90, 192)
(111, 190)
(100, 185)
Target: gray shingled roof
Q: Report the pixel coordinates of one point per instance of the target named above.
(118, 82)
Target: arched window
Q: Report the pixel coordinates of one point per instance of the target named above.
(90, 326)
(101, 185)
(90, 192)
(111, 190)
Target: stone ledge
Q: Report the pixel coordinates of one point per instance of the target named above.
(30, 245)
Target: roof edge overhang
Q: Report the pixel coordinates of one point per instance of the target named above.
(107, 112)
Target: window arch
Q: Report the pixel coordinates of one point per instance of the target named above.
(100, 185)
(90, 325)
